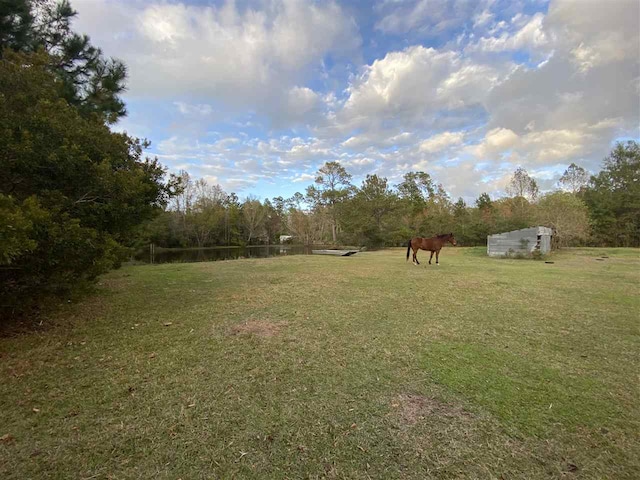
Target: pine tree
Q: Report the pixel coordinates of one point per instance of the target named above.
(91, 82)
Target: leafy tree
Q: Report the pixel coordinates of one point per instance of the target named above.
(332, 188)
(207, 215)
(296, 201)
(566, 214)
(253, 218)
(369, 218)
(164, 230)
(437, 216)
(207, 225)
(483, 202)
(16, 22)
(613, 197)
(279, 205)
(377, 198)
(574, 178)
(522, 185)
(417, 188)
(512, 214)
(299, 225)
(232, 234)
(16, 230)
(424, 203)
(482, 220)
(71, 191)
(273, 219)
(182, 205)
(516, 212)
(463, 223)
(90, 82)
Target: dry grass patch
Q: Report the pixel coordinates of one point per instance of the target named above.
(16, 368)
(449, 441)
(415, 408)
(258, 328)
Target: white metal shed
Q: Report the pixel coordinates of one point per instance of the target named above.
(524, 241)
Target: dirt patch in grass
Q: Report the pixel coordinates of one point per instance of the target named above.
(415, 408)
(259, 328)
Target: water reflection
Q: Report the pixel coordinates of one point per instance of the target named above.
(186, 255)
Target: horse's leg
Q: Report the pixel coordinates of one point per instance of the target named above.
(430, 257)
(438, 257)
(415, 257)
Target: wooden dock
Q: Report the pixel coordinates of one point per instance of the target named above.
(339, 253)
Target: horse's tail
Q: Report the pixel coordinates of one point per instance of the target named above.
(408, 249)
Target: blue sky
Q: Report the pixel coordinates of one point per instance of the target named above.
(257, 95)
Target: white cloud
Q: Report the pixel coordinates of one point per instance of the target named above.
(530, 36)
(555, 145)
(302, 102)
(426, 17)
(165, 23)
(545, 147)
(364, 161)
(197, 109)
(413, 84)
(379, 139)
(304, 177)
(242, 58)
(465, 180)
(597, 33)
(496, 140)
(607, 50)
(355, 142)
(441, 141)
(482, 18)
(571, 107)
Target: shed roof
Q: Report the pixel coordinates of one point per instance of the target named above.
(539, 230)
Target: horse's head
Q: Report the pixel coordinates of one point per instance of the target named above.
(452, 240)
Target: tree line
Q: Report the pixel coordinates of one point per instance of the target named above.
(77, 198)
(601, 209)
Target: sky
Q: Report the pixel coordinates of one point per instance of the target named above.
(257, 95)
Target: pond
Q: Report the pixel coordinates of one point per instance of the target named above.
(186, 255)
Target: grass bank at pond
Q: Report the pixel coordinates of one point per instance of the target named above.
(335, 367)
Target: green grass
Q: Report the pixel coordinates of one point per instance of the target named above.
(367, 367)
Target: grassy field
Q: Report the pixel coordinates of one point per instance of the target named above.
(329, 367)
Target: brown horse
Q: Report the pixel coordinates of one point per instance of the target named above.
(433, 244)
